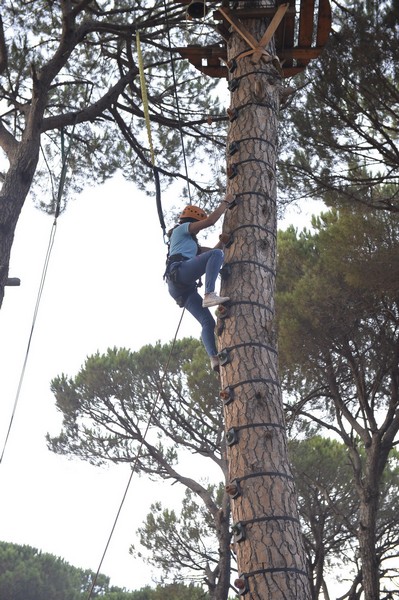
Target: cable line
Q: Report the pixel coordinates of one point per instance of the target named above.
(65, 155)
(146, 111)
(165, 370)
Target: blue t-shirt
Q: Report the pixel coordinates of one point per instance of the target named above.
(181, 242)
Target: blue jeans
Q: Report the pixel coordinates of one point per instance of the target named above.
(189, 271)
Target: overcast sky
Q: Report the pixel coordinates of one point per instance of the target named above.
(103, 288)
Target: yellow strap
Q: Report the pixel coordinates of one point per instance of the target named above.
(144, 97)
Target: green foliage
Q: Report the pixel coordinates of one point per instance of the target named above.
(173, 591)
(327, 502)
(341, 130)
(28, 574)
(176, 541)
(155, 409)
(335, 284)
(338, 318)
(328, 506)
(108, 404)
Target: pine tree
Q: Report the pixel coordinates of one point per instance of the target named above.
(70, 93)
(268, 540)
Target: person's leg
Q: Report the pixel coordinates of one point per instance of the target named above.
(208, 263)
(204, 317)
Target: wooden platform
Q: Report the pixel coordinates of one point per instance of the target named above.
(300, 37)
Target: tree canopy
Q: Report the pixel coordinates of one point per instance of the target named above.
(155, 409)
(29, 574)
(189, 542)
(72, 107)
(339, 341)
(341, 128)
(329, 510)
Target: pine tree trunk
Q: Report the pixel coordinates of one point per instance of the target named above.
(14, 190)
(23, 157)
(368, 509)
(269, 547)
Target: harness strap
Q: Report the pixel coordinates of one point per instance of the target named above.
(176, 258)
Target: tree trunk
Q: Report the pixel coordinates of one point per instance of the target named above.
(368, 490)
(221, 588)
(268, 541)
(17, 182)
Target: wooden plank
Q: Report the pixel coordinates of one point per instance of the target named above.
(323, 22)
(217, 72)
(206, 59)
(284, 37)
(203, 51)
(270, 30)
(292, 71)
(299, 53)
(306, 21)
(239, 27)
(253, 13)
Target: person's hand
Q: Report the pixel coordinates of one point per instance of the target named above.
(224, 238)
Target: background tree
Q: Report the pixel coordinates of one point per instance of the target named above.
(179, 543)
(106, 409)
(69, 79)
(328, 506)
(173, 591)
(189, 542)
(341, 129)
(339, 348)
(28, 574)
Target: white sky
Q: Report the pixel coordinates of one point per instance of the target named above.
(104, 288)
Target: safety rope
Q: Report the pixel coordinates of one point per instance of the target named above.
(133, 470)
(144, 97)
(61, 184)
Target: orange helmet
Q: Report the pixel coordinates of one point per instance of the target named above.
(193, 212)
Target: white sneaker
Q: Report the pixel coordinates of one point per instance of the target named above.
(212, 299)
(214, 363)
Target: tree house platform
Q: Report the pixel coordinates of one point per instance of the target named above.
(299, 37)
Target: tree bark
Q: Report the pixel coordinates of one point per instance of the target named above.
(15, 188)
(268, 542)
(368, 490)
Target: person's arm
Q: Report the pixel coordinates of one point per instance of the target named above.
(224, 238)
(197, 226)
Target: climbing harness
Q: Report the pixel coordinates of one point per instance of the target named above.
(171, 276)
(173, 262)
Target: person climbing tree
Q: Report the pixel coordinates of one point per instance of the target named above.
(187, 261)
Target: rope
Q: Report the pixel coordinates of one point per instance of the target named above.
(144, 97)
(160, 214)
(38, 299)
(136, 460)
(61, 185)
(146, 111)
(176, 97)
